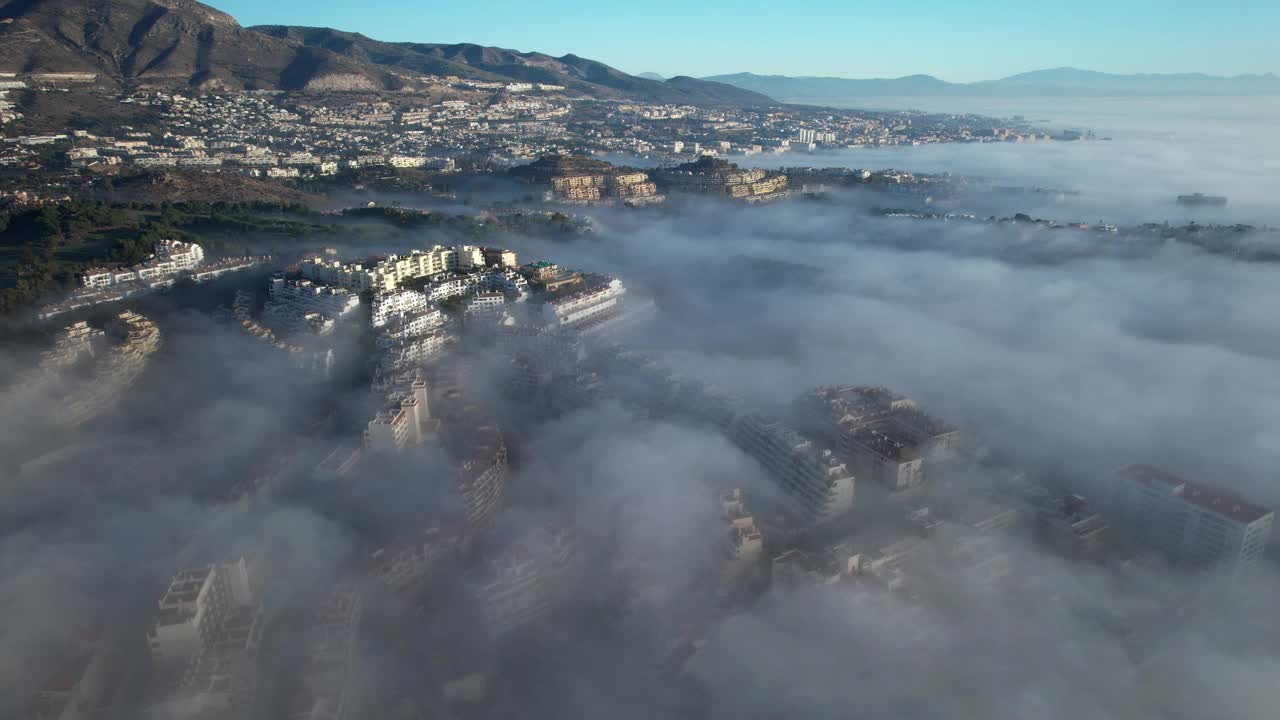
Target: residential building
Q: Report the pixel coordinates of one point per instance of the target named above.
(523, 583)
(328, 689)
(1071, 527)
(816, 481)
(883, 435)
(1192, 525)
(390, 303)
(406, 422)
(204, 643)
(745, 544)
(485, 303)
(602, 295)
(170, 258)
(301, 304)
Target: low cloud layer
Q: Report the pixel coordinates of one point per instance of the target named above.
(1067, 355)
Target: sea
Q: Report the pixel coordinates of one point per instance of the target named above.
(1148, 151)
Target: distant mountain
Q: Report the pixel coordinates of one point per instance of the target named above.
(184, 42)
(1059, 82)
(651, 76)
(498, 64)
(1072, 81)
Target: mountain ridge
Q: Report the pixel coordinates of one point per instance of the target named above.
(1051, 82)
(188, 43)
(479, 62)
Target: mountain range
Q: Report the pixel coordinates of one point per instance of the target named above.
(1057, 82)
(187, 43)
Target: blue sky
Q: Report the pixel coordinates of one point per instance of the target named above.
(953, 39)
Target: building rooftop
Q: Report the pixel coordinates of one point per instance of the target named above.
(1217, 501)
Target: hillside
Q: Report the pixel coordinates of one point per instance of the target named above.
(165, 42)
(1059, 82)
(497, 64)
(187, 43)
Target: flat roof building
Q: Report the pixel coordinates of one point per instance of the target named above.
(1191, 524)
(816, 481)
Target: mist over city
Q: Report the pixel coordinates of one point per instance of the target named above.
(349, 373)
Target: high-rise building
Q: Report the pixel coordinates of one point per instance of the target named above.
(330, 636)
(1190, 524)
(204, 643)
(816, 481)
(405, 423)
(1070, 526)
(883, 435)
(745, 544)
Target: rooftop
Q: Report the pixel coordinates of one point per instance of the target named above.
(1217, 501)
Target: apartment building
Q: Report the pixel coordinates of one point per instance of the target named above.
(744, 544)
(327, 689)
(526, 581)
(392, 303)
(1192, 525)
(1071, 527)
(406, 422)
(390, 272)
(169, 258)
(296, 305)
(581, 306)
(882, 434)
(818, 484)
(204, 642)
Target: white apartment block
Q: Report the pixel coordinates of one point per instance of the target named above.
(578, 307)
(745, 544)
(411, 325)
(1192, 525)
(883, 434)
(170, 258)
(204, 640)
(390, 272)
(450, 285)
(294, 299)
(406, 423)
(391, 304)
(413, 351)
(505, 281)
(527, 580)
(329, 645)
(817, 482)
(408, 568)
(485, 303)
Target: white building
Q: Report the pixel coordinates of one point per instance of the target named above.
(1192, 525)
(328, 673)
(506, 281)
(745, 544)
(170, 258)
(450, 285)
(204, 641)
(484, 303)
(299, 304)
(578, 307)
(817, 482)
(405, 423)
(413, 351)
(394, 270)
(390, 304)
(411, 325)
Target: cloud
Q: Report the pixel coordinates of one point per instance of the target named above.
(1066, 353)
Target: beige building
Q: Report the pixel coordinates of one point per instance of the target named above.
(405, 423)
